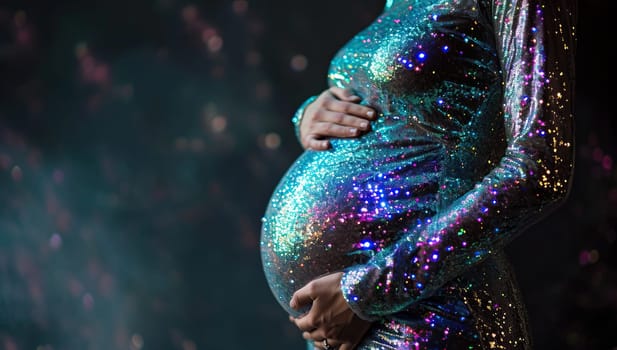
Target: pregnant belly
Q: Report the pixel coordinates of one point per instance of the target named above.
(337, 208)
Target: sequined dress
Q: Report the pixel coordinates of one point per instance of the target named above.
(473, 144)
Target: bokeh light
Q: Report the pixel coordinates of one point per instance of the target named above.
(140, 142)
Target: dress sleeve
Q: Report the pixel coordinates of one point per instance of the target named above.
(534, 42)
(297, 117)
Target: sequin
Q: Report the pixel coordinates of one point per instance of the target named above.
(473, 144)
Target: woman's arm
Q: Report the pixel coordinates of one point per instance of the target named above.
(534, 40)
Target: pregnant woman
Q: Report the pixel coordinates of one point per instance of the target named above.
(391, 235)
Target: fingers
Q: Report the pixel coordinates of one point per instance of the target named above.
(348, 108)
(344, 94)
(338, 337)
(335, 113)
(342, 100)
(307, 323)
(332, 344)
(302, 297)
(334, 130)
(318, 344)
(344, 346)
(317, 134)
(344, 119)
(320, 334)
(318, 337)
(316, 144)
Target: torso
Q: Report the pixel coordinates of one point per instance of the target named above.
(431, 70)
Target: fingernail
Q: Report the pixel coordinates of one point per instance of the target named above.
(353, 131)
(363, 125)
(370, 114)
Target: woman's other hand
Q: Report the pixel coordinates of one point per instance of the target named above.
(330, 317)
(335, 113)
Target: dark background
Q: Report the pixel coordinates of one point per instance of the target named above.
(140, 142)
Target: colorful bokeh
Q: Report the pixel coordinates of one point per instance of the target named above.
(139, 144)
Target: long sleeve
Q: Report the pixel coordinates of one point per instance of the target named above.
(534, 43)
(297, 117)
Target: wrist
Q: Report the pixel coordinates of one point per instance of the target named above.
(297, 117)
(351, 285)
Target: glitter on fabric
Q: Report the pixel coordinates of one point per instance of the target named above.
(473, 144)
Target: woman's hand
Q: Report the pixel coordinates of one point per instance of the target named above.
(330, 317)
(335, 113)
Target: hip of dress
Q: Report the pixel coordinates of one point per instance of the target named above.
(480, 309)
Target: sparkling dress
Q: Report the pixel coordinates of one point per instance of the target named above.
(472, 145)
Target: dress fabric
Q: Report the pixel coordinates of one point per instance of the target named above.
(473, 144)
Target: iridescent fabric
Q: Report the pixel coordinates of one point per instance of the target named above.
(473, 144)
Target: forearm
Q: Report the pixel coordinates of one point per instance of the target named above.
(532, 178)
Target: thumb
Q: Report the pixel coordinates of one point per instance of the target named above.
(301, 298)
